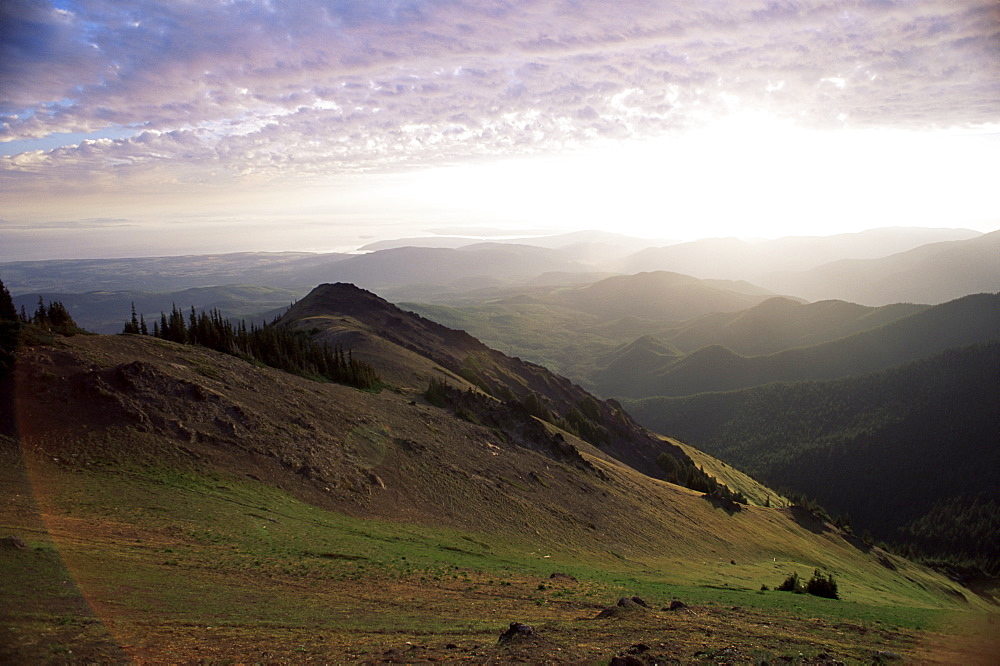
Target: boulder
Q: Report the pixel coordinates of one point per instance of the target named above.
(516, 631)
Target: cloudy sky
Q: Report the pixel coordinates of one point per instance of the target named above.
(161, 127)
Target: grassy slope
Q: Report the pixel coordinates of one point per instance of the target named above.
(177, 565)
(755, 491)
(191, 556)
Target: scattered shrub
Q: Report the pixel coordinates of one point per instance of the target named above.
(791, 584)
(822, 586)
(437, 392)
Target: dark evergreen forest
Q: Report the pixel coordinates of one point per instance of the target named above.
(910, 453)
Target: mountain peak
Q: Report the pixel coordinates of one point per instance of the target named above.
(340, 297)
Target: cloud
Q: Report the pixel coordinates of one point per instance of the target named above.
(85, 224)
(252, 90)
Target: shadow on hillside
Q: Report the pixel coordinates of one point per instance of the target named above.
(805, 518)
(727, 505)
(859, 543)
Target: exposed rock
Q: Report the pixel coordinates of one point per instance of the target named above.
(562, 576)
(13, 543)
(625, 606)
(886, 655)
(516, 631)
(627, 660)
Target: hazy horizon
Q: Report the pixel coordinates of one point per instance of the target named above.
(159, 129)
(462, 238)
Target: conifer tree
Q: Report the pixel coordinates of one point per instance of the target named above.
(276, 346)
(58, 315)
(41, 317)
(132, 326)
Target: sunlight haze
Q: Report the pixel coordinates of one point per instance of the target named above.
(166, 128)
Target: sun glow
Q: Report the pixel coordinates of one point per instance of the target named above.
(749, 175)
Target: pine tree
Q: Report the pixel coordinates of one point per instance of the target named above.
(60, 320)
(132, 326)
(41, 317)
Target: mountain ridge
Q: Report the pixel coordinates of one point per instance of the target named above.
(190, 502)
(732, 258)
(934, 273)
(503, 377)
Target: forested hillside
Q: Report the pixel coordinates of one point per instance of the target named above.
(783, 323)
(892, 449)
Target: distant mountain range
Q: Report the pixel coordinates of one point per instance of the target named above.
(783, 323)
(965, 321)
(660, 296)
(875, 267)
(734, 259)
(931, 273)
(620, 244)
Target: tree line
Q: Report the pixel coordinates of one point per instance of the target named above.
(50, 317)
(276, 346)
(690, 475)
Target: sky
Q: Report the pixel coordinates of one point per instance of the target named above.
(148, 127)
